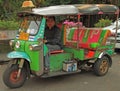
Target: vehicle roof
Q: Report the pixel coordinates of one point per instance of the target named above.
(75, 9)
(56, 10)
(97, 8)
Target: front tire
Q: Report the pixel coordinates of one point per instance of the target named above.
(10, 77)
(101, 66)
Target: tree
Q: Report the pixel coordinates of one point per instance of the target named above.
(39, 3)
(10, 8)
(60, 2)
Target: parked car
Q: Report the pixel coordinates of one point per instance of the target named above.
(112, 27)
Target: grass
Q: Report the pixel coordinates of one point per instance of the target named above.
(8, 25)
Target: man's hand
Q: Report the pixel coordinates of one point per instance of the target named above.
(45, 41)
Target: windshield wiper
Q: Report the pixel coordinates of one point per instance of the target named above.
(35, 21)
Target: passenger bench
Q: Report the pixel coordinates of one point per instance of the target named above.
(89, 39)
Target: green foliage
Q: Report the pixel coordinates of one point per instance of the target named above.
(8, 25)
(9, 8)
(60, 2)
(39, 3)
(103, 23)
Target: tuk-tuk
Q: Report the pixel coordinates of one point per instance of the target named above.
(82, 47)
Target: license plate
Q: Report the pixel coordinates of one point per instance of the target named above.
(24, 36)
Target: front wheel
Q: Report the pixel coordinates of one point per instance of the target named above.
(10, 77)
(101, 66)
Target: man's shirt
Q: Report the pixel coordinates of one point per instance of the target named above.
(53, 35)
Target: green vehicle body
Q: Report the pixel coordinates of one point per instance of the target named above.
(56, 60)
(33, 57)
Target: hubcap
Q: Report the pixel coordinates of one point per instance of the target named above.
(104, 66)
(13, 77)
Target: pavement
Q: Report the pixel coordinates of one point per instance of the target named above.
(4, 50)
(3, 58)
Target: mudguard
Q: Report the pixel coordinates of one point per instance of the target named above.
(16, 54)
(102, 54)
(106, 54)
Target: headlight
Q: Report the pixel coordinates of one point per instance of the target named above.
(31, 47)
(17, 45)
(11, 42)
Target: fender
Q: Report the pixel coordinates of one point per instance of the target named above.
(16, 54)
(104, 53)
(101, 54)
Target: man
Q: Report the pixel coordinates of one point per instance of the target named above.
(52, 35)
(52, 38)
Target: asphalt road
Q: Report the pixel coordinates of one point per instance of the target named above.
(85, 81)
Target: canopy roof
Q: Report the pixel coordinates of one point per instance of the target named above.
(56, 10)
(97, 8)
(75, 9)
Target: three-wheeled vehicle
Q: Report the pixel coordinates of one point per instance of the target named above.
(82, 47)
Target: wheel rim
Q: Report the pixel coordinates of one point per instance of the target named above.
(104, 66)
(13, 77)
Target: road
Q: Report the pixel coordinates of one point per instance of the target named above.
(85, 81)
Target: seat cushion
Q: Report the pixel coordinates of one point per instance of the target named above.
(56, 51)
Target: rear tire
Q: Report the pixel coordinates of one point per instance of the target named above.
(101, 66)
(10, 77)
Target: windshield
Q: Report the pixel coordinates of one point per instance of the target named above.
(30, 25)
(33, 27)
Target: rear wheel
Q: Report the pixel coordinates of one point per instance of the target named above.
(10, 77)
(101, 66)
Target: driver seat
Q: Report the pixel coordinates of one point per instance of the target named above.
(56, 51)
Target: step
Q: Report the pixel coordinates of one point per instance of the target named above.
(59, 73)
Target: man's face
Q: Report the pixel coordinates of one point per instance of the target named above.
(50, 22)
